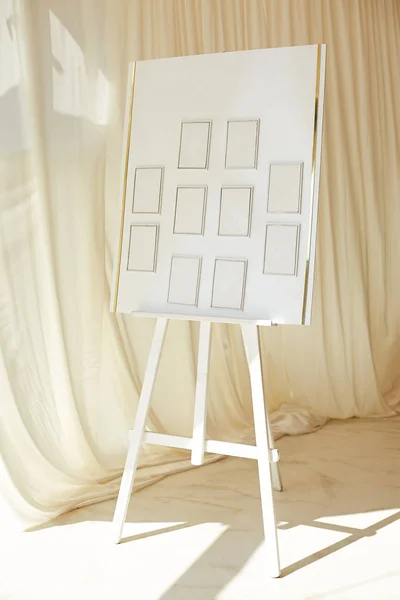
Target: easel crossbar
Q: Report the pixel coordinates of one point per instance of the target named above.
(212, 446)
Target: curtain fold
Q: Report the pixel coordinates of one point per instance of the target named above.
(71, 372)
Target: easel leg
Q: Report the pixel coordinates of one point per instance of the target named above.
(262, 430)
(136, 434)
(276, 477)
(200, 403)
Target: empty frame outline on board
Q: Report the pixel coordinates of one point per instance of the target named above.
(241, 146)
(285, 187)
(143, 247)
(190, 222)
(194, 144)
(147, 190)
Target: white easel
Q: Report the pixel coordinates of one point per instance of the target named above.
(264, 451)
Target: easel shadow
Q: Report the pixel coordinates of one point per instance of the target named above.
(326, 476)
(354, 536)
(231, 551)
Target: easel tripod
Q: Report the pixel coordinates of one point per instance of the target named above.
(264, 451)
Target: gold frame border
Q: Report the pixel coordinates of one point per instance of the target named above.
(207, 158)
(204, 214)
(122, 221)
(300, 197)
(256, 146)
(160, 190)
(314, 154)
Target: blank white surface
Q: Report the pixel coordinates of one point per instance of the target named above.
(241, 144)
(235, 211)
(190, 210)
(229, 284)
(276, 86)
(281, 242)
(147, 190)
(194, 147)
(284, 194)
(184, 280)
(142, 248)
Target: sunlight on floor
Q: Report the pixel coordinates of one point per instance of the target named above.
(198, 535)
(361, 520)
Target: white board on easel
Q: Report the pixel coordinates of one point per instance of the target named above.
(220, 197)
(218, 223)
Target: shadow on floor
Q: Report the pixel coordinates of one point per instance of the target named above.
(345, 469)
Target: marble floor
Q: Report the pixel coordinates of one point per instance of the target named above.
(198, 535)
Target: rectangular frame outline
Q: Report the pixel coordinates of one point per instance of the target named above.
(297, 226)
(207, 160)
(257, 143)
(203, 222)
(235, 187)
(300, 198)
(200, 259)
(160, 193)
(157, 227)
(241, 260)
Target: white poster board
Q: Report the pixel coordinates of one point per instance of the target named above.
(220, 186)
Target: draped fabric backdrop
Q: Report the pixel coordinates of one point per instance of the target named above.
(71, 372)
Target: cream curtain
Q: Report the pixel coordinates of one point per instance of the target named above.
(70, 372)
